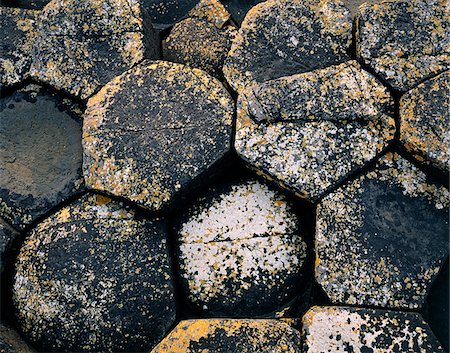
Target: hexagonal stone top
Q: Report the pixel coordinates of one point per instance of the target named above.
(81, 44)
(95, 276)
(310, 131)
(425, 121)
(404, 41)
(381, 239)
(151, 131)
(282, 38)
(343, 329)
(40, 139)
(228, 335)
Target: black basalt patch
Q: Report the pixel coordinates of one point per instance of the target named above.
(164, 13)
(239, 8)
(7, 238)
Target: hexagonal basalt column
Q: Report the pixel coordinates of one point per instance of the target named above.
(152, 131)
(95, 277)
(404, 41)
(381, 239)
(310, 131)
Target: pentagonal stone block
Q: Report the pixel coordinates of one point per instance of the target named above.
(239, 8)
(17, 37)
(381, 239)
(151, 131)
(310, 131)
(41, 153)
(164, 13)
(425, 122)
(343, 329)
(7, 237)
(404, 42)
(227, 335)
(95, 277)
(11, 342)
(241, 251)
(81, 45)
(282, 38)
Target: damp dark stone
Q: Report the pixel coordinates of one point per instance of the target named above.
(25, 4)
(164, 13)
(11, 342)
(239, 8)
(7, 238)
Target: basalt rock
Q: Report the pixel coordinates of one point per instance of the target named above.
(164, 13)
(11, 342)
(24, 4)
(212, 11)
(7, 238)
(239, 8)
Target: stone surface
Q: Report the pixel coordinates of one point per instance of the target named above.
(25, 4)
(151, 131)
(342, 329)
(164, 13)
(404, 42)
(98, 41)
(227, 335)
(425, 121)
(241, 251)
(211, 10)
(310, 131)
(11, 342)
(281, 38)
(381, 239)
(40, 150)
(95, 276)
(17, 36)
(7, 237)
(239, 8)
(353, 5)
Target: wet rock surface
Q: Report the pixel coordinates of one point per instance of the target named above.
(404, 42)
(11, 342)
(41, 154)
(239, 8)
(382, 238)
(95, 277)
(310, 131)
(151, 132)
(226, 335)
(7, 237)
(335, 329)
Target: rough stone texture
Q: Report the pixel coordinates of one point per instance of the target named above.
(16, 36)
(381, 239)
(164, 13)
(239, 8)
(95, 277)
(285, 37)
(310, 131)
(212, 11)
(151, 131)
(98, 41)
(425, 121)
(40, 153)
(25, 4)
(353, 5)
(342, 329)
(7, 237)
(11, 342)
(404, 41)
(227, 335)
(241, 251)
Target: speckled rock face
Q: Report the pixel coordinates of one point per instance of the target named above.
(281, 38)
(241, 251)
(341, 329)
(381, 239)
(404, 41)
(425, 121)
(17, 36)
(239, 8)
(226, 335)
(164, 13)
(211, 10)
(95, 277)
(7, 237)
(151, 131)
(309, 131)
(11, 342)
(98, 41)
(40, 139)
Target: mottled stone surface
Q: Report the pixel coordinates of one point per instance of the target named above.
(164, 13)
(404, 41)
(25, 4)
(226, 335)
(7, 237)
(16, 37)
(342, 329)
(40, 150)
(239, 8)
(11, 342)
(81, 44)
(310, 131)
(95, 277)
(211, 10)
(425, 121)
(151, 131)
(281, 38)
(381, 239)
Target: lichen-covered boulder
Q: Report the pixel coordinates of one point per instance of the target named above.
(212, 11)
(310, 131)
(241, 251)
(239, 8)
(382, 238)
(95, 276)
(7, 238)
(164, 13)
(403, 41)
(228, 335)
(285, 37)
(83, 44)
(11, 342)
(425, 122)
(344, 329)
(40, 153)
(152, 131)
